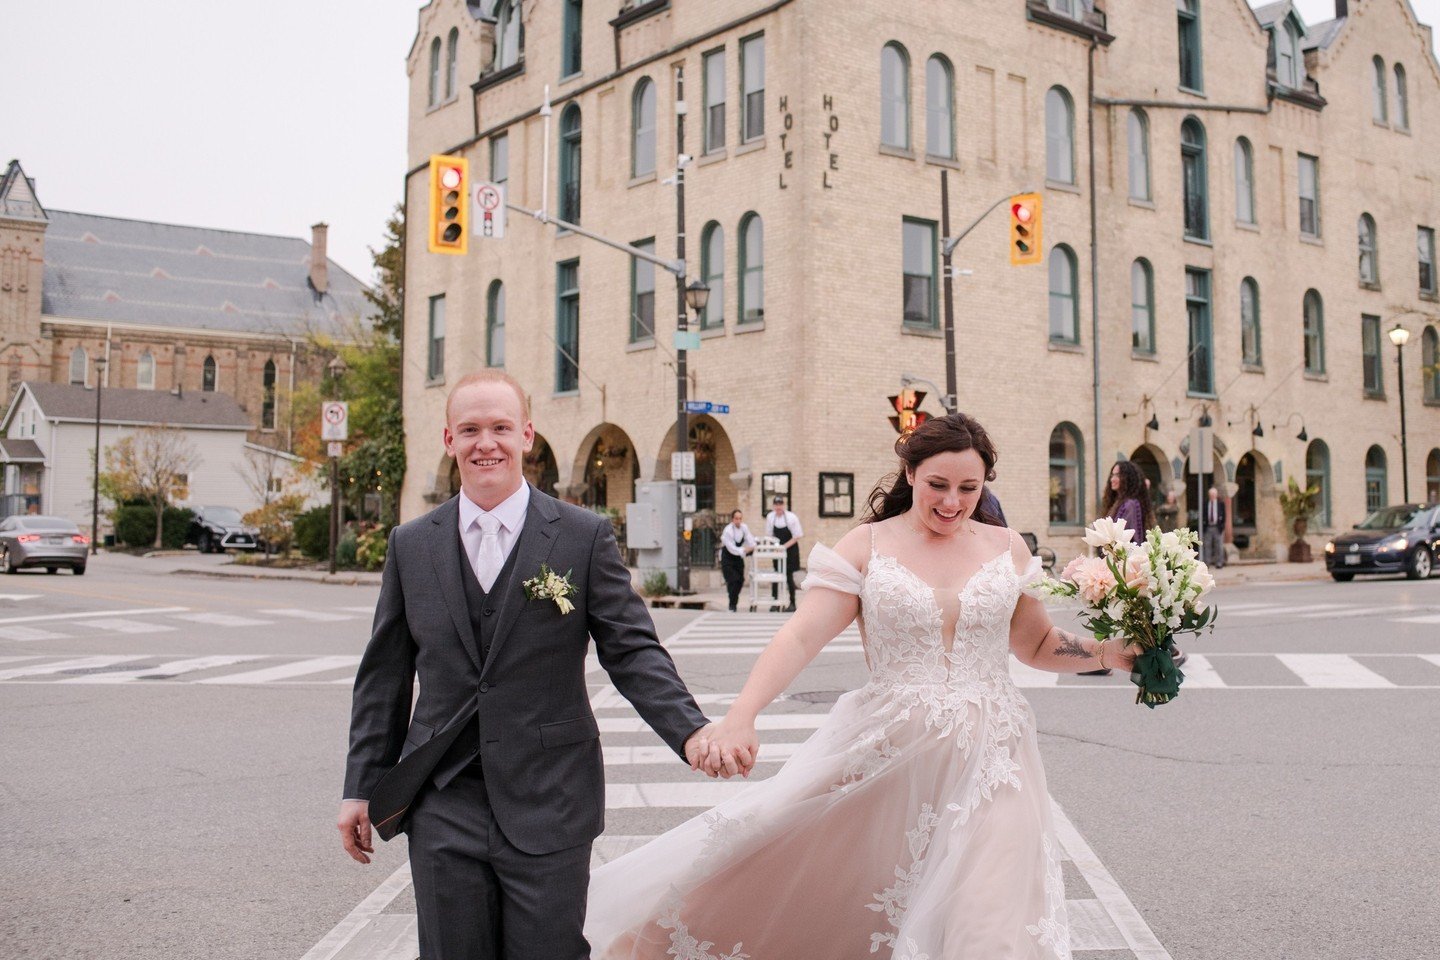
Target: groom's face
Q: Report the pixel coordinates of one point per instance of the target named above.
(487, 434)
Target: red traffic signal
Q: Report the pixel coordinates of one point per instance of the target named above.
(1025, 240)
(449, 205)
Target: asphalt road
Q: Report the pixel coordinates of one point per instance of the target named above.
(174, 746)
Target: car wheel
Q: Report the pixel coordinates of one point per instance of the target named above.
(206, 545)
(79, 571)
(1343, 577)
(5, 563)
(52, 569)
(1419, 566)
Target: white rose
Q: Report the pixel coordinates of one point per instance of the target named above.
(1105, 532)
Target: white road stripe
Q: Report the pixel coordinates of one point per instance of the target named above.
(222, 620)
(766, 721)
(143, 611)
(1132, 927)
(1432, 618)
(370, 609)
(640, 756)
(757, 648)
(316, 616)
(701, 792)
(285, 671)
(1432, 657)
(368, 909)
(30, 633)
(1286, 611)
(173, 668)
(1339, 614)
(1333, 670)
(60, 666)
(1199, 673)
(121, 625)
(18, 596)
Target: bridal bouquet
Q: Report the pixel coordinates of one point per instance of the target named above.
(1146, 594)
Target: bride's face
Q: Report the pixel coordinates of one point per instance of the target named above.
(947, 489)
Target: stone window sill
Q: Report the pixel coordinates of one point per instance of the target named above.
(635, 346)
(561, 394)
(1317, 376)
(1374, 395)
(714, 156)
(920, 330)
(753, 326)
(711, 332)
(1314, 241)
(1145, 355)
(904, 153)
(1200, 241)
(749, 147)
(1142, 204)
(1367, 285)
(1064, 346)
(939, 161)
(643, 178)
(1252, 367)
(435, 381)
(1242, 225)
(1062, 186)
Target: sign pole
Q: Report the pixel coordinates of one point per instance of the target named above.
(682, 419)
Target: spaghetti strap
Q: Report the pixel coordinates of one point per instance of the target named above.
(872, 538)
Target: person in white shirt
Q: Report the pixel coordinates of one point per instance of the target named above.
(785, 527)
(737, 543)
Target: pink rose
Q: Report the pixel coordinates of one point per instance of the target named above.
(1137, 573)
(1070, 568)
(1095, 580)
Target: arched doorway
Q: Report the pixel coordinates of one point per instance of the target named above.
(716, 494)
(610, 469)
(540, 467)
(1257, 522)
(1153, 465)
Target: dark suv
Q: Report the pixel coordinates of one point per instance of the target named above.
(1404, 539)
(217, 529)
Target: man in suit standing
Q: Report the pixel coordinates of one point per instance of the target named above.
(497, 778)
(1214, 529)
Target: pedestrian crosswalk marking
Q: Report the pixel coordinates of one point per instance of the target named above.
(1200, 673)
(30, 633)
(317, 616)
(121, 625)
(286, 671)
(1432, 657)
(222, 620)
(1293, 610)
(142, 611)
(1433, 618)
(165, 670)
(1332, 670)
(60, 666)
(766, 721)
(18, 596)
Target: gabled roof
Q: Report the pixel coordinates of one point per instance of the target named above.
(1272, 13)
(1323, 34)
(112, 270)
(64, 401)
(17, 196)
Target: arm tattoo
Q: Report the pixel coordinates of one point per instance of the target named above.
(1070, 646)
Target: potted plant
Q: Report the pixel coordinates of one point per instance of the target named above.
(1299, 504)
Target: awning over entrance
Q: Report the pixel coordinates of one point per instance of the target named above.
(20, 451)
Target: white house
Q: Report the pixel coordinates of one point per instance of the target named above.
(47, 444)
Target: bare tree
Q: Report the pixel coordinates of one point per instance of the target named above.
(151, 465)
(262, 474)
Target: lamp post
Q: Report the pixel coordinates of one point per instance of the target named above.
(1398, 336)
(697, 296)
(95, 502)
(337, 368)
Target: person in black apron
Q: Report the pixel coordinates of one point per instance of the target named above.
(785, 527)
(736, 542)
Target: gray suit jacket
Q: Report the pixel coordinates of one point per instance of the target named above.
(539, 742)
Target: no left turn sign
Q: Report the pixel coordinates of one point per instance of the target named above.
(335, 420)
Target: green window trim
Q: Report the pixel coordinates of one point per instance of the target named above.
(1200, 314)
(435, 339)
(712, 123)
(572, 49)
(1377, 479)
(1069, 462)
(1195, 179)
(1142, 308)
(712, 271)
(643, 128)
(1251, 343)
(570, 145)
(752, 88)
(1314, 327)
(895, 96)
(642, 294)
(1066, 302)
(495, 325)
(1191, 52)
(752, 268)
(567, 326)
(1317, 474)
(940, 110)
(910, 229)
(1372, 357)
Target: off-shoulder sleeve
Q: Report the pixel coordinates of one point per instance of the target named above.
(828, 569)
(1031, 576)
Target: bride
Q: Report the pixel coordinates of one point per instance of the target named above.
(915, 823)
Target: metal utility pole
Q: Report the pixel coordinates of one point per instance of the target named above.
(952, 391)
(95, 503)
(682, 324)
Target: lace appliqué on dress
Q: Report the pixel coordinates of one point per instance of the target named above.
(1053, 929)
(894, 899)
(684, 946)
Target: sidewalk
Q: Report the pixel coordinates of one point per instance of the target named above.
(1258, 571)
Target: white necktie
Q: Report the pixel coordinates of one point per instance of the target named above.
(489, 559)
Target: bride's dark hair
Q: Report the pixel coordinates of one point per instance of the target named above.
(953, 433)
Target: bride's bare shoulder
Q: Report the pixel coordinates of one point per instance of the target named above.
(854, 547)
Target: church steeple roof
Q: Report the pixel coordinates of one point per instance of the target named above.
(17, 196)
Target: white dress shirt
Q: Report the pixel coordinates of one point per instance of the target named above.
(511, 514)
(787, 520)
(736, 539)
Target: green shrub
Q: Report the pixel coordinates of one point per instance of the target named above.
(370, 549)
(656, 585)
(135, 525)
(345, 551)
(176, 525)
(312, 532)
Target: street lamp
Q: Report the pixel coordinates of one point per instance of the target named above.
(337, 369)
(1398, 336)
(95, 503)
(697, 297)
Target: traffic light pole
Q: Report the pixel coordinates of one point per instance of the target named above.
(682, 324)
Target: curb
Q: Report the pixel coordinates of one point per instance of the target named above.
(349, 579)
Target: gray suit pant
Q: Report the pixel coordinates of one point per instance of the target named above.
(477, 896)
(1215, 546)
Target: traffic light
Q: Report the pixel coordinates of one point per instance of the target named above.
(1025, 229)
(449, 205)
(908, 415)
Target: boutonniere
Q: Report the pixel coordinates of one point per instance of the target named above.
(550, 585)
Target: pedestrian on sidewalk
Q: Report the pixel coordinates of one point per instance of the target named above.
(1168, 513)
(785, 527)
(1215, 516)
(738, 544)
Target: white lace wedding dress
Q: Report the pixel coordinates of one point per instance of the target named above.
(913, 825)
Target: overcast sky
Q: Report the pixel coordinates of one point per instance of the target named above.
(260, 115)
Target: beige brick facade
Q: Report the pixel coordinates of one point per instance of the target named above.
(808, 385)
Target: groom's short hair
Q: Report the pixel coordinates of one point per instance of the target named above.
(490, 375)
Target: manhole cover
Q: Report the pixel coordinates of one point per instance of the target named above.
(816, 696)
(109, 668)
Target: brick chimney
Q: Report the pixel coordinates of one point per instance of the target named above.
(319, 262)
(1342, 8)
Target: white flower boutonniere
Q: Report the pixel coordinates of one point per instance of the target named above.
(550, 585)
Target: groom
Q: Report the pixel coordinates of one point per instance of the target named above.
(497, 777)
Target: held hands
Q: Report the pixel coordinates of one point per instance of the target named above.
(354, 824)
(724, 749)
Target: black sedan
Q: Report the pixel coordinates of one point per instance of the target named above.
(217, 529)
(49, 542)
(1401, 539)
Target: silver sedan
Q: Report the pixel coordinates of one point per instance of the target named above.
(49, 542)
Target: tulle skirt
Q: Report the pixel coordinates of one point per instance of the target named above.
(914, 825)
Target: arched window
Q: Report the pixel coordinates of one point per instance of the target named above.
(79, 365)
(1432, 476)
(1196, 180)
(1142, 307)
(894, 96)
(570, 164)
(1369, 250)
(1376, 484)
(1314, 332)
(1064, 295)
(507, 34)
(1380, 103)
(1430, 360)
(1244, 181)
(1059, 136)
(939, 108)
(642, 129)
(1138, 136)
(267, 397)
(1317, 474)
(1286, 55)
(452, 65)
(752, 268)
(207, 375)
(1067, 479)
(1191, 75)
(1402, 99)
(1250, 322)
(495, 325)
(712, 269)
(145, 371)
(434, 97)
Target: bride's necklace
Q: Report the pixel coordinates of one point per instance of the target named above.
(927, 534)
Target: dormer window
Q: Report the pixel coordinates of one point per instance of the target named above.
(508, 42)
(1066, 8)
(1289, 61)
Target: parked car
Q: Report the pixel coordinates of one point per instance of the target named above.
(1404, 538)
(217, 529)
(49, 542)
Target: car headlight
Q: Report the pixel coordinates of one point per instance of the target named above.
(1394, 545)
(1330, 546)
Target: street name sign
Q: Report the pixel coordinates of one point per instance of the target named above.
(706, 406)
